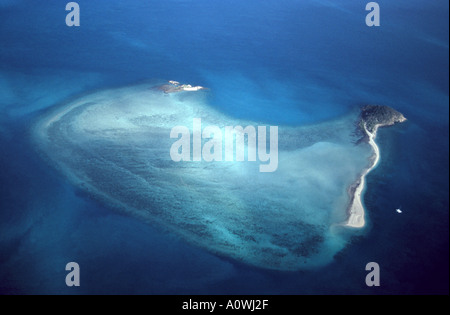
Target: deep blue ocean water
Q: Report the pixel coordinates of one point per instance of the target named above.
(285, 62)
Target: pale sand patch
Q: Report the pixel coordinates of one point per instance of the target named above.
(356, 209)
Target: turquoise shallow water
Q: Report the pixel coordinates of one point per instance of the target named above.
(281, 214)
(285, 63)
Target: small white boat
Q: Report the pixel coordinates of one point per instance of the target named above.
(399, 211)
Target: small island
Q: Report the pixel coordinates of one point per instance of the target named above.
(175, 86)
(374, 116)
(371, 118)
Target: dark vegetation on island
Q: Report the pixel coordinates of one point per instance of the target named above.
(373, 115)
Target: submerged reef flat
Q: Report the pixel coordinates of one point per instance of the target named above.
(115, 145)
